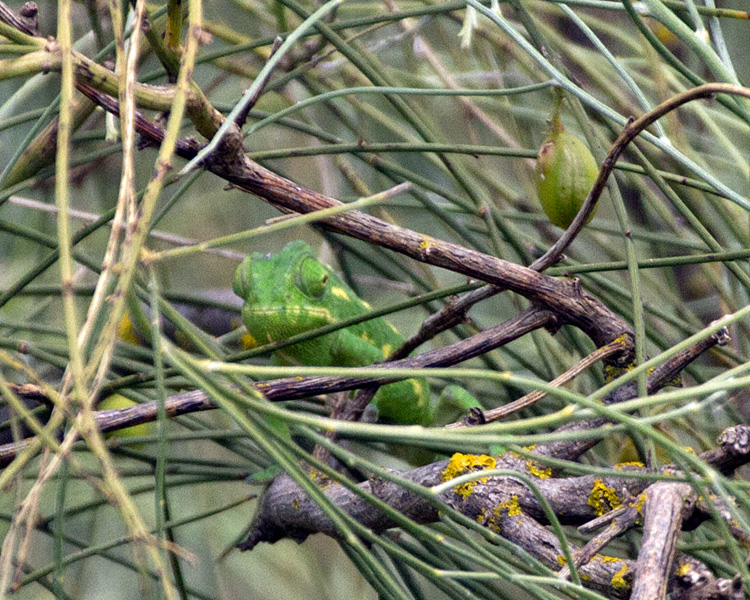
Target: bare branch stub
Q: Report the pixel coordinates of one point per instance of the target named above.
(27, 21)
(665, 508)
(621, 520)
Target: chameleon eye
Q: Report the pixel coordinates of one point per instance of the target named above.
(312, 278)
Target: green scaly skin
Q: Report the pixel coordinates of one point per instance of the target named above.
(291, 293)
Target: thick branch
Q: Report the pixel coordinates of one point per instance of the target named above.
(502, 503)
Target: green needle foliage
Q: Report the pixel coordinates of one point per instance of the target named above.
(117, 269)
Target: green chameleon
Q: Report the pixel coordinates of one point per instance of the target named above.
(292, 292)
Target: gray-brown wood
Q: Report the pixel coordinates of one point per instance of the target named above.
(665, 507)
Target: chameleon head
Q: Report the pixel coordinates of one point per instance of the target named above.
(284, 293)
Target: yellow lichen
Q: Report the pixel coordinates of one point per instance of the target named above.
(640, 502)
(603, 498)
(460, 464)
(493, 525)
(320, 478)
(512, 507)
(295, 504)
(424, 244)
(612, 372)
(538, 470)
(684, 570)
(606, 559)
(562, 560)
(618, 579)
(624, 465)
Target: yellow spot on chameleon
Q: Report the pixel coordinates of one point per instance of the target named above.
(676, 381)
(386, 349)
(664, 34)
(602, 498)
(618, 579)
(460, 464)
(320, 478)
(248, 341)
(366, 337)
(126, 331)
(340, 292)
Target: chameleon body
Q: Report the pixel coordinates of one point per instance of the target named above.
(291, 293)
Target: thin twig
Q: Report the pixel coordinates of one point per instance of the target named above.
(253, 99)
(621, 519)
(501, 412)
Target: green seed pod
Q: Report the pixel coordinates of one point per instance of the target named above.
(565, 173)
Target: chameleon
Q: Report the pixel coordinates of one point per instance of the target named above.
(291, 292)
